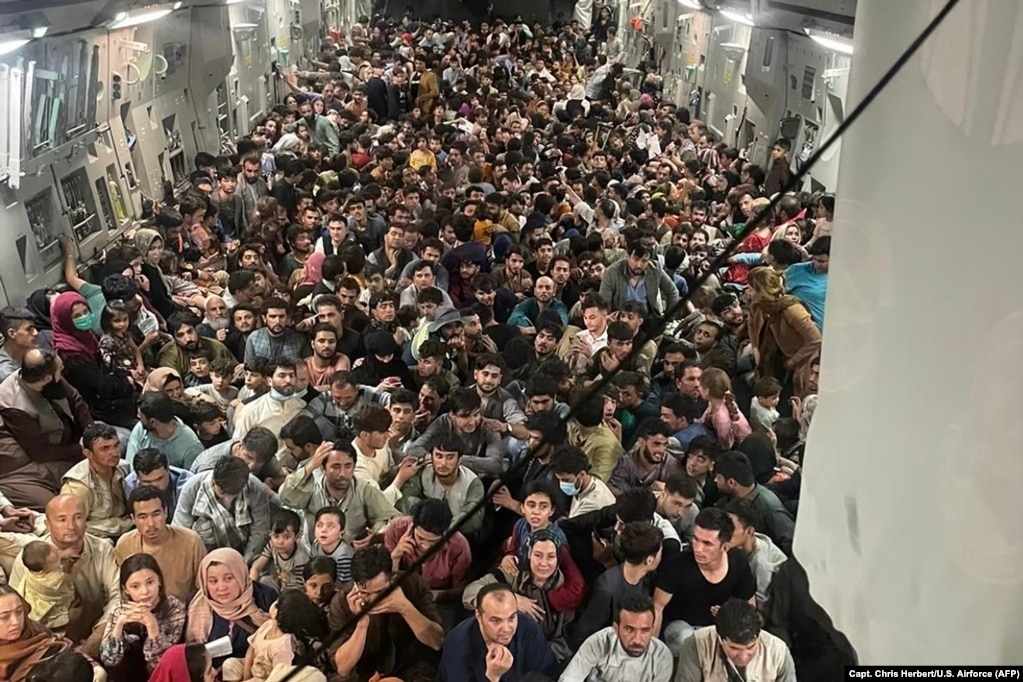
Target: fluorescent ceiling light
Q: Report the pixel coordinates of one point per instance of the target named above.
(233, 2)
(128, 19)
(8, 46)
(692, 4)
(830, 41)
(737, 17)
(40, 31)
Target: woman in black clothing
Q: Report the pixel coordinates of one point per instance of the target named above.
(110, 394)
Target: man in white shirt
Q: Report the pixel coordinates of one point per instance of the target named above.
(275, 408)
(625, 652)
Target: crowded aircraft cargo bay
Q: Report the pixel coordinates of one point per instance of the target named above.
(484, 341)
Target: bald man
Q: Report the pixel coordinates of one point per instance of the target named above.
(526, 315)
(88, 559)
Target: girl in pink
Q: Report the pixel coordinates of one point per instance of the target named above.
(293, 619)
(722, 417)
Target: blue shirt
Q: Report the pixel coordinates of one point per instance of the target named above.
(181, 448)
(810, 287)
(638, 292)
(263, 597)
(464, 658)
(691, 433)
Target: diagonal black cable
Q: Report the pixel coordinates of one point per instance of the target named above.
(594, 390)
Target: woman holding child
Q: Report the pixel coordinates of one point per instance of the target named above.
(228, 603)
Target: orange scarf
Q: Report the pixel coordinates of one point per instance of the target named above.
(35, 645)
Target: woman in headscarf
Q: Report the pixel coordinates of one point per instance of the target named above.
(167, 380)
(786, 343)
(109, 395)
(312, 274)
(185, 663)
(228, 603)
(382, 362)
(24, 644)
(549, 590)
(150, 243)
(39, 305)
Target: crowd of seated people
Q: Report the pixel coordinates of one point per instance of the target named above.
(430, 378)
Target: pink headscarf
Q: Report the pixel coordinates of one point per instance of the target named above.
(173, 666)
(68, 341)
(313, 268)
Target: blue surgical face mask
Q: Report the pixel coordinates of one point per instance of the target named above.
(569, 489)
(300, 394)
(278, 396)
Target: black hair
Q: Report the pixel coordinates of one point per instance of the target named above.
(634, 602)
(331, 510)
(196, 658)
(231, 475)
(118, 287)
(141, 562)
(636, 504)
(551, 426)
(261, 444)
(433, 516)
(148, 460)
(297, 615)
(465, 400)
(144, 493)
(680, 484)
(569, 459)
(319, 565)
(98, 431)
(302, 431)
(716, 519)
(738, 622)
(370, 562)
(67, 666)
(158, 406)
(285, 520)
(638, 541)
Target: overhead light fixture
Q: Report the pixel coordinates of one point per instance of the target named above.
(40, 31)
(692, 4)
(233, 2)
(144, 16)
(8, 46)
(744, 19)
(830, 41)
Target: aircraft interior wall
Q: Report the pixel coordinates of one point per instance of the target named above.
(136, 104)
(108, 116)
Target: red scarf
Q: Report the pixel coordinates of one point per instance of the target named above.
(68, 341)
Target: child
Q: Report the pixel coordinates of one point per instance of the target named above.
(763, 411)
(209, 424)
(320, 577)
(539, 509)
(408, 321)
(284, 550)
(722, 417)
(329, 540)
(375, 283)
(294, 620)
(257, 372)
(199, 368)
(219, 390)
(117, 347)
(47, 588)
